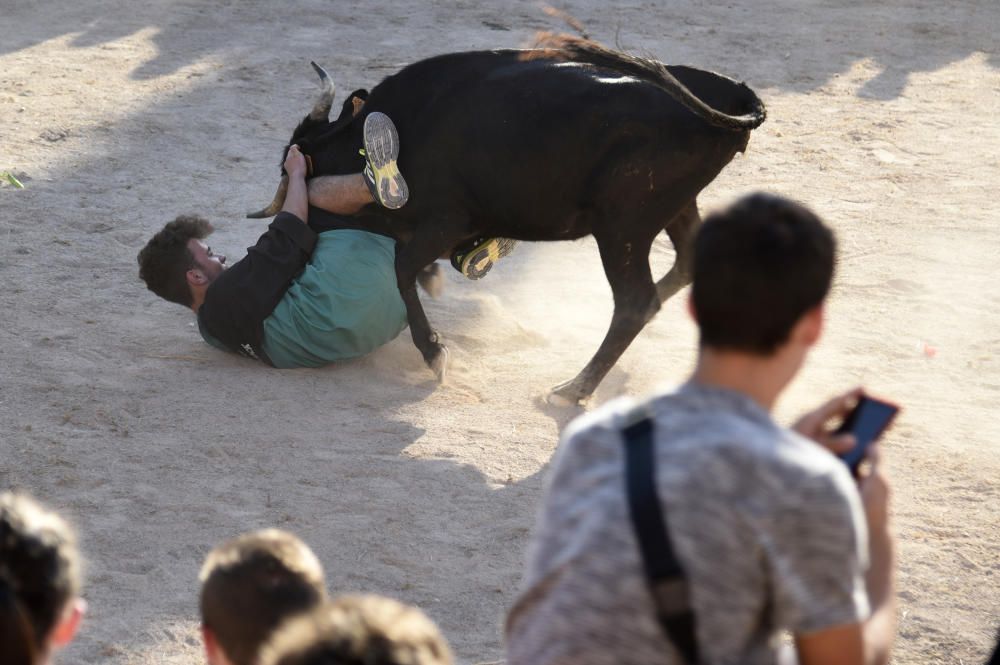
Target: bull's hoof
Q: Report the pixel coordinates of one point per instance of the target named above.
(566, 394)
(439, 364)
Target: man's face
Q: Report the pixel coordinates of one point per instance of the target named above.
(209, 263)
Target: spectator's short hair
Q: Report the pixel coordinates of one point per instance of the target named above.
(358, 630)
(39, 576)
(759, 266)
(250, 584)
(165, 260)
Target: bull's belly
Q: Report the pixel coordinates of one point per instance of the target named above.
(573, 226)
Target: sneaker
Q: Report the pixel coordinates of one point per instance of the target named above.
(477, 258)
(381, 173)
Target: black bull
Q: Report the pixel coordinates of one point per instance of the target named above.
(545, 144)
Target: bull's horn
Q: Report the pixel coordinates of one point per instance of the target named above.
(321, 110)
(279, 200)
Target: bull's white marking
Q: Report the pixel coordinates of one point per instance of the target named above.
(599, 79)
(619, 79)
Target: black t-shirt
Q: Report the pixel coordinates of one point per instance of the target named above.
(244, 295)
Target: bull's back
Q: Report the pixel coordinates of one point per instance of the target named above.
(527, 143)
(540, 148)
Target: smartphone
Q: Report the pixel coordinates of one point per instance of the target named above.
(869, 418)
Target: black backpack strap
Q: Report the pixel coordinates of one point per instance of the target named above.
(664, 574)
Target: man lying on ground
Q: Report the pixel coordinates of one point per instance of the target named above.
(307, 293)
(303, 296)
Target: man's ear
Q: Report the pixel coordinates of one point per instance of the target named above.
(213, 654)
(196, 277)
(65, 629)
(809, 329)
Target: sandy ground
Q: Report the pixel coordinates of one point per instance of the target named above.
(117, 116)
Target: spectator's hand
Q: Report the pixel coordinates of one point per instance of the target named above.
(872, 483)
(816, 424)
(295, 163)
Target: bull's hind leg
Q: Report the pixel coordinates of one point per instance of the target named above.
(626, 265)
(681, 230)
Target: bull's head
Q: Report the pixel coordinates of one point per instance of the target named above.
(315, 132)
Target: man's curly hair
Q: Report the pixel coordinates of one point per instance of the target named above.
(165, 260)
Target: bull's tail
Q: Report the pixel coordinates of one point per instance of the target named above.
(576, 49)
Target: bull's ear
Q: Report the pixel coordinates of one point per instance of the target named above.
(358, 99)
(352, 105)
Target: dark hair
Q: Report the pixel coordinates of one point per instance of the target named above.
(358, 630)
(759, 266)
(254, 582)
(39, 575)
(165, 260)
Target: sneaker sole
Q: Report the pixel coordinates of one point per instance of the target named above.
(381, 151)
(480, 260)
(477, 264)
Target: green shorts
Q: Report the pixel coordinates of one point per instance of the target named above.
(345, 303)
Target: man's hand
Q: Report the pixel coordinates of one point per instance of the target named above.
(872, 483)
(816, 424)
(877, 633)
(295, 163)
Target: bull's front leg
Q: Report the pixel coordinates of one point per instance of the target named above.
(424, 337)
(411, 258)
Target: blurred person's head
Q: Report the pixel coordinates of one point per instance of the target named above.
(40, 607)
(762, 269)
(249, 585)
(358, 630)
(176, 264)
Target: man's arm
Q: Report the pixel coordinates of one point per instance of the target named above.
(297, 197)
(340, 194)
(880, 628)
(870, 641)
(243, 296)
(840, 645)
